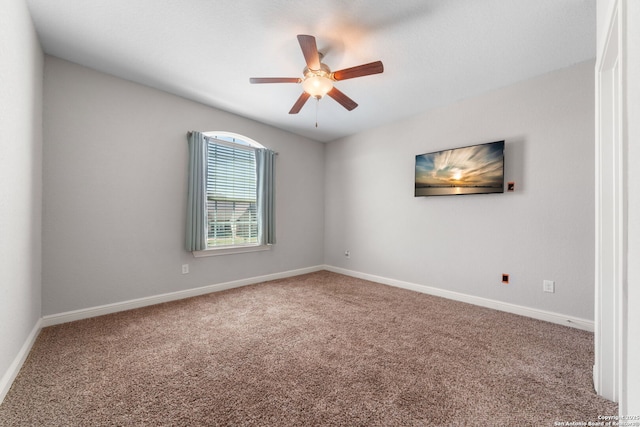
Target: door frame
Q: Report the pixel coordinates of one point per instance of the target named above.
(611, 213)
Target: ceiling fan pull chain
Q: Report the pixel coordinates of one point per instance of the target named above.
(317, 103)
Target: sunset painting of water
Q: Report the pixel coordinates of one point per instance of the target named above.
(477, 169)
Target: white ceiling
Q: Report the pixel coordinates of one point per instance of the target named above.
(435, 52)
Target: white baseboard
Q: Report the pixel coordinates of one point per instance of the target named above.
(85, 313)
(55, 319)
(548, 316)
(561, 319)
(16, 365)
(10, 375)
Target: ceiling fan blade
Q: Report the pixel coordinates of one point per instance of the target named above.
(342, 99)
(359, 71)
(275, 80)
(310, 51)
(299, 103)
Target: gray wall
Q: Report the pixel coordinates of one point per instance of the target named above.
(544, 230)
(114, 192)
(115, 166)
(20, 180)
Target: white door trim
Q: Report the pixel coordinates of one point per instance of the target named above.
(610, 215)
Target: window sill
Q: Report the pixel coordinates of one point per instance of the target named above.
(231, 250)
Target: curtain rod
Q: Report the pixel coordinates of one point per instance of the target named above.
(189, 133)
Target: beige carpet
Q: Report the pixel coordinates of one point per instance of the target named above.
(318, 349)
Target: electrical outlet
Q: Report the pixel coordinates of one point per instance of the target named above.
(185, 268)
(548, 286)
(347, 254)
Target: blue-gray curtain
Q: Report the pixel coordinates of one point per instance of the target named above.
(197, 193)
(265, 171)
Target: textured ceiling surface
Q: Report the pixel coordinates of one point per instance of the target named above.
(435, 52)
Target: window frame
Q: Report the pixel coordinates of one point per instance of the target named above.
(243, 141)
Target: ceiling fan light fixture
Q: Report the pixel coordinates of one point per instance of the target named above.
(317, 86)
(317, 83)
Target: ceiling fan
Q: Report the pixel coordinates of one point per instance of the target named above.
(318, 78)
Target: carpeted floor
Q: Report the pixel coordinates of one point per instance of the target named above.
(318, 349)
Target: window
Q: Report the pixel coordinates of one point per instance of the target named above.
(232, 215)
(230, 194)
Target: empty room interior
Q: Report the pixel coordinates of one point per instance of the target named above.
(319, 212)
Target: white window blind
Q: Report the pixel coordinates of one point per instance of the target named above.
(232, 215)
